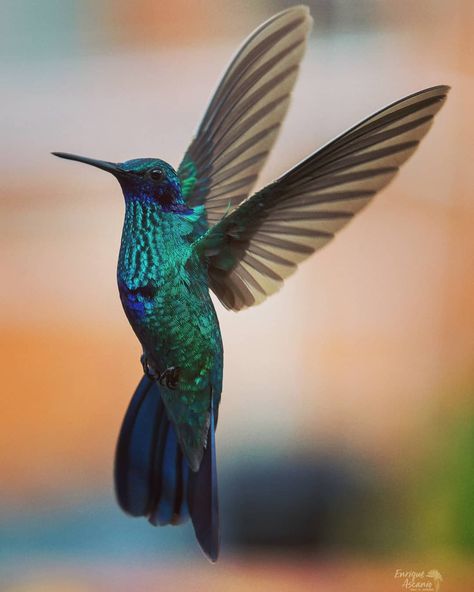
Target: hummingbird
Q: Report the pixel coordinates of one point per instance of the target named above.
(198, 228)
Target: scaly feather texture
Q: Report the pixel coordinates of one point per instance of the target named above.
(196, 229)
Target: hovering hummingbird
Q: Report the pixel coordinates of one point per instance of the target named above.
(196, 228)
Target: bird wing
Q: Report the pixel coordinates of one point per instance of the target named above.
(254, 248)
(242, 121)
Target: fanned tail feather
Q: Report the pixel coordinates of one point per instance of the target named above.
(152, 477)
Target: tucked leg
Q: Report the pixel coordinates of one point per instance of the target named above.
(147, 369)
(170, 377)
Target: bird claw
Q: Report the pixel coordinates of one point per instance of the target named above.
(170, 377)
(147, 369)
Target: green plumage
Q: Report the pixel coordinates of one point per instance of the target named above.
(164, 291)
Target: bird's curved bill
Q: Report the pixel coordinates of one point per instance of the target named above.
(110, 167)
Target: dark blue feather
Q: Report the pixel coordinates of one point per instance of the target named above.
(203, 499)
(152, 477)
(136, 449)
(163, 513)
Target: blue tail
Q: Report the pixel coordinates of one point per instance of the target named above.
(152, 477)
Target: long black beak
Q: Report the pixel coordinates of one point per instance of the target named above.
(110, 167)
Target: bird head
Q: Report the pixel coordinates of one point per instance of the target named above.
(149, 180)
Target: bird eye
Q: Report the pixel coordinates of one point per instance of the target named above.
(157, 174)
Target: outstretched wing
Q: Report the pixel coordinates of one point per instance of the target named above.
(242, 120)
(250, 251)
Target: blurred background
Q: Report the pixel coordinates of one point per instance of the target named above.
(346, 433)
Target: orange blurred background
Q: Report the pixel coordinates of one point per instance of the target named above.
(362, 364)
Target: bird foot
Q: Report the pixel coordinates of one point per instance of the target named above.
(147, 369)
(170, 377)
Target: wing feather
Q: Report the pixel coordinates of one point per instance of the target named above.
(256, 246)
(242, 121)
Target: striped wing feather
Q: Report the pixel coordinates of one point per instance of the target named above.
(242, 121)
(253, 249)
